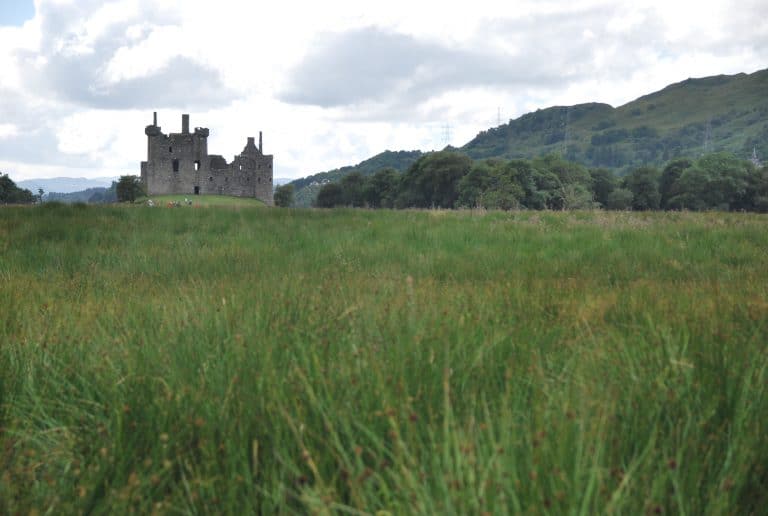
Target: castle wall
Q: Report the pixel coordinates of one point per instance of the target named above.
(178, 163)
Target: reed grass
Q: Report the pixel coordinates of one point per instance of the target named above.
(183, 361)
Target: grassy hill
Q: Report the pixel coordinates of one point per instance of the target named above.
(205, 200)
(722, 113)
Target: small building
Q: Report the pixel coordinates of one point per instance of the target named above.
(179, 163)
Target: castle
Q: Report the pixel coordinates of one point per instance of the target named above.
(179, 163)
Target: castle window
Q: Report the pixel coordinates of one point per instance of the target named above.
(210, 178)
(197, 165)
(259, 180)
(175, 165)
(170, 149)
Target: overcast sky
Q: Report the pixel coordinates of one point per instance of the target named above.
(332, 83)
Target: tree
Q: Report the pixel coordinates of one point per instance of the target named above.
(669, 177)
(433, 180)
(603, 184)
(380, 189)
(12, 194)
(329, 196)
(619, 199)
(352, 189)
(492, 184)
(576, 196)
(284, 196)
(716, 181)
(566, 171)
(643, 182)
(129, 188)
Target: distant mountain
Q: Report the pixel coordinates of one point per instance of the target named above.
(66, 184)
(92, 195)
(305, 189)
(689, 118)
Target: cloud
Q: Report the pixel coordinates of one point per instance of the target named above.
(379, 66)
(343, 81)
(88, 57)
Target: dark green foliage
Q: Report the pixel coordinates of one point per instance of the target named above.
(283, 196)
(619, 199)
(128, 188)
(643, 182)
(12, 194)
(330, 196)
(432, 182)
(448, 179)
(669, 177)
(306, 189)
(380, 190)
(716, 181)
(609, 137)
(757, 190)
(492, 184)
(352, 187)
(604, 183)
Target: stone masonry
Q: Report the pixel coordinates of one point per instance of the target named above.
(179, 163)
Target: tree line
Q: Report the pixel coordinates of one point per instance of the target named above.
(448, 179)
(12, 194)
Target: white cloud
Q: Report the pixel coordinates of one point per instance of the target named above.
(81, 79)
(8, 130)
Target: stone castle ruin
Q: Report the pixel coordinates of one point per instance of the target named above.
(179, 163)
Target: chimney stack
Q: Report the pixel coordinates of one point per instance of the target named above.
(154, 118)
(185, 124)
(260, 144)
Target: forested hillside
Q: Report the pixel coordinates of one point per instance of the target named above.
(690, 119)
(306, 188)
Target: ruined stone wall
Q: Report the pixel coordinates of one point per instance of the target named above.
(178, 163)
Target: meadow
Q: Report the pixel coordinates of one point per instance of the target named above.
(254, 360)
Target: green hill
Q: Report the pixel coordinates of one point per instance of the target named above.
(722, 113)
(689, 118)
(306, 188)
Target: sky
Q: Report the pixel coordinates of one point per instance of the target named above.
(333, 83)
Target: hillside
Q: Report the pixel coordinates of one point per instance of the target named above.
(689, 118)
(306, 188)
(722, 113)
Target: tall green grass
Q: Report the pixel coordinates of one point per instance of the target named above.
(280, 361)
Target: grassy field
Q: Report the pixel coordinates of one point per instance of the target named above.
(352, 362)
(204, 201)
